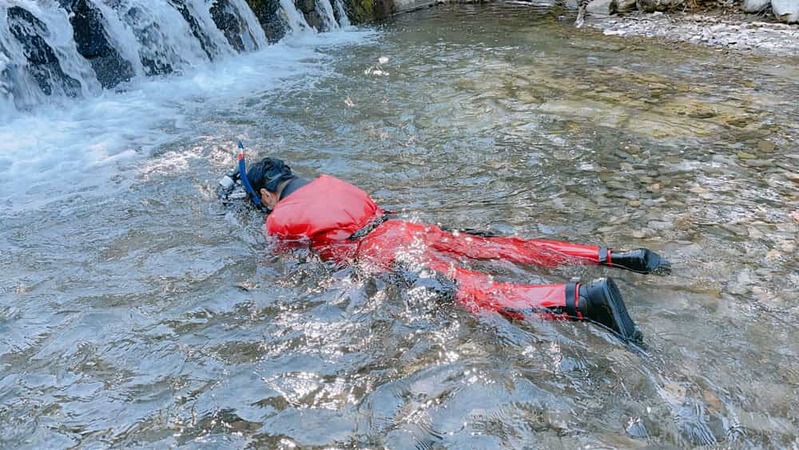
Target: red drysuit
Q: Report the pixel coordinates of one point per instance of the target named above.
(327, 212)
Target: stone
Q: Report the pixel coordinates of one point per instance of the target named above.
(657, 5)
(756, 6)
(601, 7)
(766, 146)
(659, 225)
(625, 6)
(745, 155)
(786, 10)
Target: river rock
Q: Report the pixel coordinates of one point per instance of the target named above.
(756, 6)
(267, 13)
(786, 10)
(625, 6)
(657, 5)
(601, 7)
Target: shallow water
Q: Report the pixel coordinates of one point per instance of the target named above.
(136, 312)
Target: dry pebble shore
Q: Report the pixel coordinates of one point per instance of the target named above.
(733, 32)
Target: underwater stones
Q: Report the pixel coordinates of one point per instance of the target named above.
(766, 146)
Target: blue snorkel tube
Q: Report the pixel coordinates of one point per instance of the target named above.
(244, 181)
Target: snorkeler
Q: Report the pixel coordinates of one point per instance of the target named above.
(342, 223)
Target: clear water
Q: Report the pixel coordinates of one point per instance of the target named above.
(135, 312)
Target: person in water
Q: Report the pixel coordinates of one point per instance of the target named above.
(342, 223)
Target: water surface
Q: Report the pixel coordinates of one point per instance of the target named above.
(137, 312)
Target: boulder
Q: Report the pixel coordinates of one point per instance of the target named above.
(228, 23)
(92, 43)
(625, 6)
(42, 62)
(756, 6)
(658, 5)
(608, 7)
(267, 13)
(786, 10)
(601, 7)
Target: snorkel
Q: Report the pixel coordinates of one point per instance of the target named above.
(244, 181)
(235, 185)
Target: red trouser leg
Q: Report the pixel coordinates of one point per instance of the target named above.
(540, 252)
(410, 243)
(479, 292)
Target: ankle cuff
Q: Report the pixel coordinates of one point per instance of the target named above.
(572, 289)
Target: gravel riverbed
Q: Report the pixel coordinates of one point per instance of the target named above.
(730, 32)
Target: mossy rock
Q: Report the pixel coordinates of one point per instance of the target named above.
(360, 11)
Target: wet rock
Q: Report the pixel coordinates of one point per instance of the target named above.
(206, 42)
(756, 6)
(43, 64)
(602, 7)
(636, 429)
(745, 155)
(758, 163)
(708, 30)
(92, 43)
(631, 195)
(786, 10)
(659, 225)
(642, 233)
(766, 146)
(226, 21)
(657, 5)
(267, 13)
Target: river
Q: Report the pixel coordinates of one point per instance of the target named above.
(137, 312)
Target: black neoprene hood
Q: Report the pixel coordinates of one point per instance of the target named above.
(268, 173)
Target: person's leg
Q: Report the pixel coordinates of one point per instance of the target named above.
(598, 301)
(543, 252)
(396, 242)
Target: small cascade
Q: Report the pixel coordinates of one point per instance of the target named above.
(198, 16)
(343, 20)
(42, 58)
(252, 34)
(60, 49)
(164, 37)
(325, 10)
(293, 18)
(120, 38)
(6, 97)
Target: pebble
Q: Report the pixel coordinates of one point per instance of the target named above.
(707, 30)
(659, 225)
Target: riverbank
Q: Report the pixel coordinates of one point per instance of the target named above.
(724, 31)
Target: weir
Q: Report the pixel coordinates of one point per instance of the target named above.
(52, 51)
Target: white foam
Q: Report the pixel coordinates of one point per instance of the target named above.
(87, 147)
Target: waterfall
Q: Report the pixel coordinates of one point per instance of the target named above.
(344, 21)
(52, 50)
(253, 30)
(41, 57)
(120, 36)
(294, 19)
(325, 9)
